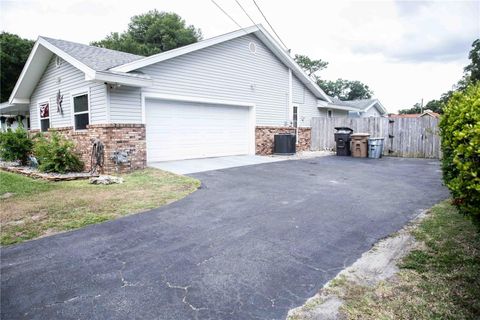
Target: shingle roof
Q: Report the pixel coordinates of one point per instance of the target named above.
(99, 59)
(356, 104)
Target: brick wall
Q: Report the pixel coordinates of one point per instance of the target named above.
(115, 137)
(264, 138)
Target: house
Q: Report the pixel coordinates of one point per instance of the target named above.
(363, 108)
(426, 113)
(227, 95)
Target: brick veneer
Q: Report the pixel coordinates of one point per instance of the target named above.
(264, 138)
(121, 137)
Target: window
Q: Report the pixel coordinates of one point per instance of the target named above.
(329, 113)
(80, 111)
(295, 117)
(44, 116)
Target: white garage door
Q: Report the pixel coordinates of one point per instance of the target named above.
(187, 130)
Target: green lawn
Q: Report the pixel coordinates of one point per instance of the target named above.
(33, 208)
(439, 280)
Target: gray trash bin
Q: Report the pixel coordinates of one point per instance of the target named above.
(375, 147)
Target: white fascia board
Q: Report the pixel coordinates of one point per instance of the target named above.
(381, 107)
(62, 54)
(183, 50)
(125, 79)
(290, 62)
(24, 70)
(20, 101)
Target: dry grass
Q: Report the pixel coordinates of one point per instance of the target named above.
(39, 208)
(438, 280)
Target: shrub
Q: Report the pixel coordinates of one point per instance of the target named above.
(15, 145)
(460, 132)
(56, 154)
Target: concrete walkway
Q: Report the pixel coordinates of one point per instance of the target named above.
(208, 164)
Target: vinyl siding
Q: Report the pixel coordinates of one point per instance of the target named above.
(335, 113)
(229, 71)
(125, 105)
(65, 78)
(307, 103)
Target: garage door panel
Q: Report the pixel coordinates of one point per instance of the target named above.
(180, 130)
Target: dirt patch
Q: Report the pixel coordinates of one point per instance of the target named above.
(376, 265)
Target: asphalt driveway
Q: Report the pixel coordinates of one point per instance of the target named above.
(252, 243)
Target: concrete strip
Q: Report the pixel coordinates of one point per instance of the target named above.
(208, 164)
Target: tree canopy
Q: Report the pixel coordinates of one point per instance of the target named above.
(151, 33)
(310, 66)
(340, 88)
(14, 53)
(345, 89)
(473, 69)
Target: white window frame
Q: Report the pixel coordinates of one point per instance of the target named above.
(295, 105)
(76, 93)
(39, 103)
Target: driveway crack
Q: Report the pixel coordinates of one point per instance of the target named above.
(184, 300)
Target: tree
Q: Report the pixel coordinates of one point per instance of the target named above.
(310, 66)
(14, 53)
(473, 69)
(346, 89)
(342, 89)
(151, 33)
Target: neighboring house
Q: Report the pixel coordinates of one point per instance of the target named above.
(226, 95)
(363, 108)
(11, 121)
(426, 113)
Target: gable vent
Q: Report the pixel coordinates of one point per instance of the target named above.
(252, 47)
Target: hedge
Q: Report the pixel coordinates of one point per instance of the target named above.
(460, 132)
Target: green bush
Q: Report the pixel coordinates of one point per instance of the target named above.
(460, 132)
(56, 154)
(15, 145)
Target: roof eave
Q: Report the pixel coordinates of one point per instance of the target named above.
(31, 60)
(124, 79)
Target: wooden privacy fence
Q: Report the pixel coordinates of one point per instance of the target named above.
(404, 137)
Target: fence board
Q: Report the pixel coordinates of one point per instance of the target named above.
(412, 137)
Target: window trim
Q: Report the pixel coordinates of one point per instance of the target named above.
(39, 103)
(76, 93)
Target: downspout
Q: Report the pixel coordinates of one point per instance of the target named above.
(290, 97)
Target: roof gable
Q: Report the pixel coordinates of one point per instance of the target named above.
(257, 30)
(78, 55)
(98, 59)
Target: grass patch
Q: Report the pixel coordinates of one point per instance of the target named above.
(440, 280)
(39, 208)
(20, 185)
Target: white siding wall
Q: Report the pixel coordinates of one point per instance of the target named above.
(229, 71)
(307, 103)
(66, 78)
(125, 105)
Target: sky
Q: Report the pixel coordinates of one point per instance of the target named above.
(405, 51)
